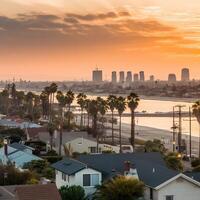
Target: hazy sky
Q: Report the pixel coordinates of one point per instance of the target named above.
(67, 39)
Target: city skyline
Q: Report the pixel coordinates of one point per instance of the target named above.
(56, 40)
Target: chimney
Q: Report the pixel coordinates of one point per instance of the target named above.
(127, 166)
(5, 147)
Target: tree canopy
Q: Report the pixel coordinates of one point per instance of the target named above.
(120, 188)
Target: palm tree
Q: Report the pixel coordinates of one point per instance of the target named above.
(87, 108)
(102, 108)
(93, 110)
(81, 97)
(51, 129)
(133, 101)
(5, 95)
(62, 103)
(69, 100)
(52, 89)
(111, 100)
(47, 90)
(45, 103)
(121, 106)
(196, 112)
(29, 100)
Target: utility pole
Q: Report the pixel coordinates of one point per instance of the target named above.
(180, 127)
(190, 130)
(174, 131)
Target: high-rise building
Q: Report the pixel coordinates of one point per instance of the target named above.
(136, 77)
(97, 76)
(152, 78)
(172, 78)
(121, 77)
(142, 77)
(129, 77)
(185, 74)
(114, 77)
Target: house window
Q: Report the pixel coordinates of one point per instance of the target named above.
(93, 150)
(94, 179)
(169, 197)
(63, 177)
(86, 180)
(90, 179)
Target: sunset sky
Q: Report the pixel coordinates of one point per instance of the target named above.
(67, 39)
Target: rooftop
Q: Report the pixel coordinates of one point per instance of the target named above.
(69, 166)
(37, 192)
(151, 167)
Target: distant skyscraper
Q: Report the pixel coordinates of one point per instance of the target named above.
(121, 76)
(114, 77)
(97, 76)
(129, 77)
(142, 77)
(136, 77)
(172, 78)
(185, 74)
(152, 78)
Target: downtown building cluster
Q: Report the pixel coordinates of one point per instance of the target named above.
(129, 76)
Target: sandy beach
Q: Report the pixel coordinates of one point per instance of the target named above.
(149, 133)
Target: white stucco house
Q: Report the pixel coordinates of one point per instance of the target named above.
(84, 145)
(72, 172)
(161, 183)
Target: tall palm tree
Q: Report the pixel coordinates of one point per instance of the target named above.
(121, 107)
(133, 101)
(111, 100)
(51, 128)
(196, 112)
(102, 108)
(29, 100)
(5, 95)
(47, 90)
(44, 97)
(81, 97)
(62, 103)
(93, 110)
(87, 108)
(69, 100)
(53, 89)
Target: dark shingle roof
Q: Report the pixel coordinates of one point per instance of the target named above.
(151, 167)
(193, 175)
(69, 166)
(39, 192)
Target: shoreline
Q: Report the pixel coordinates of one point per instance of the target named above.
(156, 98)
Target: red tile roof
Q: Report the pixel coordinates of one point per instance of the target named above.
(37, 192)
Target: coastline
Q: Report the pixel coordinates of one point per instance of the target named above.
(156, 98)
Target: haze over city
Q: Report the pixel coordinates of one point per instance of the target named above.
(65, 40)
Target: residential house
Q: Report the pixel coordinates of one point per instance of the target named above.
(83, 145)
(72, 172)
(79, 142)
(17, 154)
(161, 183)
(11, 123)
